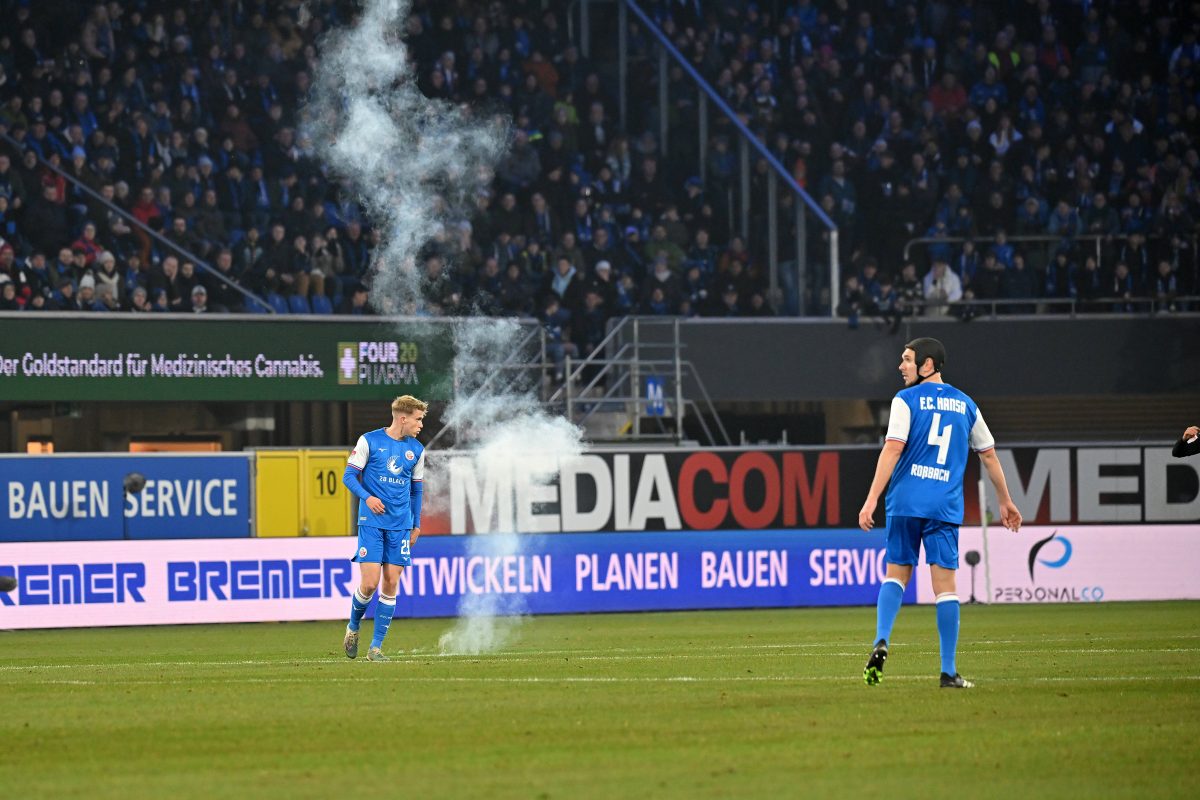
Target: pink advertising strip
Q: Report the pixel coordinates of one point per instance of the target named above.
(89, 584)
(1079, 563)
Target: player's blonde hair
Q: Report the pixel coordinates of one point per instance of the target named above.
(407, 404)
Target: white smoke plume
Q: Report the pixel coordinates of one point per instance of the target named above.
(497, 415)
(415, 163)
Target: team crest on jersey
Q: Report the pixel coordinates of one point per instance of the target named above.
(409, 455)
(392, 466)
(362, 552)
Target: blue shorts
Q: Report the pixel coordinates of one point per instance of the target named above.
(379, 546)
(905, 535)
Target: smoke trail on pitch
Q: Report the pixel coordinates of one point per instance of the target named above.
(416, 164)
(508, 436)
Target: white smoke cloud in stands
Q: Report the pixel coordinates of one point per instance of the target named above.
(415, 163)
(509, 438)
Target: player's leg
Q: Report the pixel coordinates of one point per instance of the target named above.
(941, 552)
(395, 558)
(902, 551)
(891, 597)
(369, 555)
(385, 610)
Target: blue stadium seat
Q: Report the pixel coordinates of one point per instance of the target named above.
(298, 304)
(277, 302)
(255, 307)
(321, 304)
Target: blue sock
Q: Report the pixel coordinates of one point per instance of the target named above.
(383, 618)
(947, 622)
(891, 595)
(358, 607)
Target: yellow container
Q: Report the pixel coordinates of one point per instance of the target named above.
(300, 493)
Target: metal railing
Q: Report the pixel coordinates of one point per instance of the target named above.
(612, 383)
(139, 225)
(1035, 306)
(1099, 241)
(517, 363)
(746, 141)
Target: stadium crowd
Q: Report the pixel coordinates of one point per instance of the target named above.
(925, 119)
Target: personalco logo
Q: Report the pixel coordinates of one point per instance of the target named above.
(1057, 563)
(1057, 551)
(392, 466)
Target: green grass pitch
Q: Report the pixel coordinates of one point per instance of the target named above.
(1072, 701)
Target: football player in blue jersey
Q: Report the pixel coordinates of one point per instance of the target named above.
(385, 470)
(933, 428)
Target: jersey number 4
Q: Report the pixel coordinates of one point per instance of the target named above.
(940, 440)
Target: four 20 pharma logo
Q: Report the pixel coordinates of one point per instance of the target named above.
(1052, 563)
(347, 363)
(377, 364)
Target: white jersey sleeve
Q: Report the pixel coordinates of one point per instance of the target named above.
(899, 421)
(981, 437)
(418, 473)
(360, 454)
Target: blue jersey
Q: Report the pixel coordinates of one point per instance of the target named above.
(939, 426)
(392, 470)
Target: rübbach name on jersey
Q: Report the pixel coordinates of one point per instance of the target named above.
(929, 473)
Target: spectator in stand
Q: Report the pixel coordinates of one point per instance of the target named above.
(199, 300)
(566, 285)
(223, 295)
(167, 283)
(355, 302)
(557, 322)
(8, 297)
(45, 222)
(1070, 106)
(109, 281)
(1123, 288)
(941, 287)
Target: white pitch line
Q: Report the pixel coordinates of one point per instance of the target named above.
(585, 679)
(525, 658)
(631, 657)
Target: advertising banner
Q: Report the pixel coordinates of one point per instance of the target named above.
(1074, 564)
(62, 497)
(729, 489)
(257, 358)
(258, 580)
(672, 490)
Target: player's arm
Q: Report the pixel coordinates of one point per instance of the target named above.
(417, 493)
(899, 422)
(1188, 444)
(352, 476)
(983, 443)
(883, 473)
